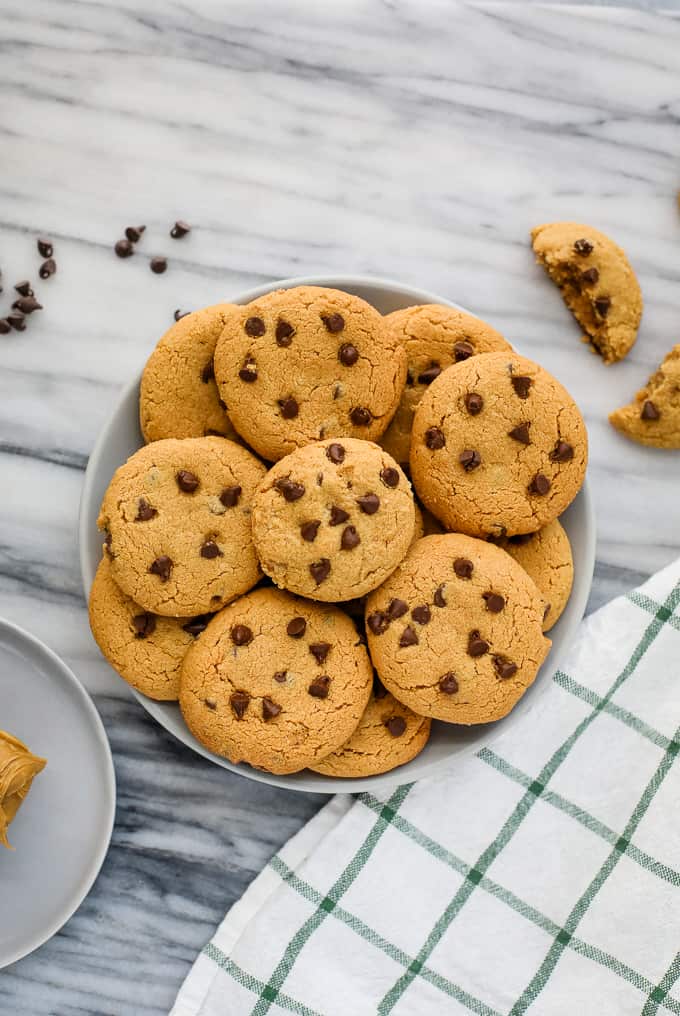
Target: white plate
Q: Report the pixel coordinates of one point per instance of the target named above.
(62, 831)
(121, 437)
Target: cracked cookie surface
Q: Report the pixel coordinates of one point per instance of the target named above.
(546, 557)
(333, 519)
(308, 363)
(177, 519)
(178, 395)
(499, 447)
(653, 418)
(434, 337)
(276, 681)
(455, 632)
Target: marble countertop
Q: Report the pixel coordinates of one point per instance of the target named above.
(419, 141)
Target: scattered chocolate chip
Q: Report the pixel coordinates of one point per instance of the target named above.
(320, 651)
(144, 625)
(17, 320)
(562, 452)
(539, 485)
(289, 408)
(369, 503)
(210, 704)
(602, 305)
(280, 676)
(290, 490)
(333, 322)
(45, 248)
(270, 709)
(476, 645)
(47, 268)
(360, 417)
(378, 622)
(520, 433)
(338, 516)
(158, 265)
(320, 687)
(186, 481)
(27, 304)
(296, 628)
(162, 567)
(239, 702)
(504, 668)
(134, 233)
(521, 538)
(389, 476)
(474, 403)
(434, 438)
(348, 354)
(197, 624)
(494, 602)
(230, 495)
(5, 326)
(248, 372)
(429, 374)
(583, 247)
(336, 453)
(308, 530)
(408, 637)
(590, 276)
(463, 568)
(462, 351)
(522, 386)
(210, 550)
(470, 459)
(24, 288)
(396, 725)
(178, 315)
(320, 570)
(350, 538)
(255, 327)
(439, 597)
(649, 411)
(180, 229)
(284, 333)
(421, 614)
(448, 683)
(241, 635)
(145, 511)
(396, 609)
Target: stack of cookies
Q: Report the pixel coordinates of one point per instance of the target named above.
(268, 563)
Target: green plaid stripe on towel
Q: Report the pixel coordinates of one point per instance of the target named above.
(541, 875)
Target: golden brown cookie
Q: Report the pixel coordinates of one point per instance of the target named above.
(546, 558)
(455, 632)
(333, 519)
(654, 417)
(389, 735)
(178, 396)
(276, 681)
(434, 337)
(177, 519)
(146, 649)
(597, 284)
(308, 363)
(498, 448)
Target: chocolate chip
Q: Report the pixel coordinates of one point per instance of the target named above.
(241, 635)
(590, 276)
(434, 438)
(134, 233)
(470, 459)
(47, 268)
(520, 433)
(162, 567)
(336, 453)
(124, 249)
(27, 304)
(254, 327)
(179, 314)
(360, 417)
(180, 229)
(504, 668)
(521, 538)
(239, 702)
(320, 687)
(377, 622)
(197, 624)
(186, 481)
(284, 333)
(476, 645)
(539, 485)
(338, 516)
(348, 354)
(390, 476)
(5, 326)
(369, 503)
(583, 247)
(144, 625)
(281, 676)
(320, 570)
(350, 538)
(320, 651)
(439, 597)
(291, 490)
(649, 411)
(602, 305)
(448, 683)
(494, 602)
(308, 530)
(396, 608)
(145, 511)
(463, 568)
(248, 372)
(296, 628)
(474, 403)
(522, 386)
(210, 550)
(17, 320)
(289, 408)
(408, 637)
(270, 709)
(396, 725)
(24, 288)
(45, 248)
(158, 265)
(562, 452)
(462, 351)
(421, 614)
(230, 495)
(428, 375)
(333, 322)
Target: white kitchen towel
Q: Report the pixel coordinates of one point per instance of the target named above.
(541, 875)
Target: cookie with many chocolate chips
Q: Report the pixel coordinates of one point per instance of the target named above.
(308, 363)
(333, 519)
(546, 558)
(434, 337)
(146, 649)
(499, 447)
(276, 681)
(177, 519)
(597, 284)
(653, 418)
(455, 632)
(178, 396)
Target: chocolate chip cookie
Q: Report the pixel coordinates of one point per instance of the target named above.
(434, 337)
(597, 284)
(178, 395)
(276, 681)
(177, 519)
(546, 558)
(455, 632)
(653, 418)
(308, 363)
(333, 519)
(499, 447)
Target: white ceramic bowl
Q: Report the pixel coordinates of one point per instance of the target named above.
(121, 437)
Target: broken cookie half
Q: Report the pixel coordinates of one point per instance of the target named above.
(653, 418)
(597, 284)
